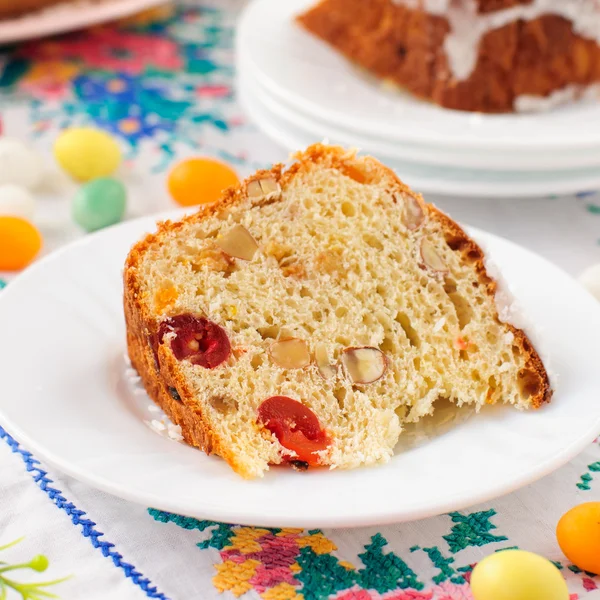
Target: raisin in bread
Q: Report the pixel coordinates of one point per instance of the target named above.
(312, 311)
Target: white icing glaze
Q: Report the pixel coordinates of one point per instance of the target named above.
(556, 98)
(467, 27)
(590, 279)
(510, 311)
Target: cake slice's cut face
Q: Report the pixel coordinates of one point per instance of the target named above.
(345, 293)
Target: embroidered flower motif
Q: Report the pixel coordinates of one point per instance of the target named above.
(589, 584)
(358, 594)
(276, 551)
(453, 591)
(318, 542)
(235, 577)
(268, 577)
(245, 538)
(49, 79)
(129, 106)
(408, 595)
(110, 49)
(283, 591)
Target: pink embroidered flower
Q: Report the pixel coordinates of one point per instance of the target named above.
(233, 555)
(453, 591)
(265, 578)
(213, 91)
(408, 594)
(110, 49)
(589, 584)
(276, 551)
(357, 594)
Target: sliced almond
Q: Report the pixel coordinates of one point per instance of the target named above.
(325, 368)
(238, 242)
(290, 353)
(413, 212)
(266, 188)
(413, 215)
(364, 365)
(431, 258)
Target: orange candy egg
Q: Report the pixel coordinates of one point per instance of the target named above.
(200, 181)
(578, 535)
(20, 242)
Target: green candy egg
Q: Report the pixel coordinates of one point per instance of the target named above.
(99, 203)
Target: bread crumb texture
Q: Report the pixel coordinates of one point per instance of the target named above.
(338, 254)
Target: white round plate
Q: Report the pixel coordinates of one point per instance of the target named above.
(462, 158)
(68, 16)
(431, 179)
(318, 81)
(534, 163)
(66, 399)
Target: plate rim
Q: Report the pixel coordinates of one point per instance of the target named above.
(548, 163)
(241, 514)
(426, 184)
(42, 23)
(311, 123)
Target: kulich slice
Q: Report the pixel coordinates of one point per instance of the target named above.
(312, 312)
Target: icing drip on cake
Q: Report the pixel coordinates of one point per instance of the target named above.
(557, 98)
(468, 27)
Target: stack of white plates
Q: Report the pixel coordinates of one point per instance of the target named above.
(299, 91)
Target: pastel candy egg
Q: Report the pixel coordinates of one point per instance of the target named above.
(578, 535)
(517, 575)
(19, 164)
(99, 203)
(20, 242)
(86, 153)
(200, 181)
(16, 201)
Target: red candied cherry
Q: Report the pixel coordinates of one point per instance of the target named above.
(296, 427)
(196, 339)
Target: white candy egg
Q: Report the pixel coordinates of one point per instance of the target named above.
(16, 201)
(590, 279)
(19, 164)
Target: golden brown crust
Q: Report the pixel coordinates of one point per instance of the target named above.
(459, 241)
(406, 47)
(141, 325)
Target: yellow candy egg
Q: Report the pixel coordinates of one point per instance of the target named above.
(578, 535)
(86, 153)
(517, 575)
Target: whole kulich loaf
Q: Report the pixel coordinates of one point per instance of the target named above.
(473, 55)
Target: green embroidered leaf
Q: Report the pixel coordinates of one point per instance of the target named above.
(322, 575)
(385, 572)
(472, 530)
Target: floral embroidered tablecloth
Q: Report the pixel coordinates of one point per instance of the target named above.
(163, 83)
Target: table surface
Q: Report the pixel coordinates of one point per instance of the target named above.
(163, 83)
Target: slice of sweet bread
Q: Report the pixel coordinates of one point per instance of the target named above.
(312, 311)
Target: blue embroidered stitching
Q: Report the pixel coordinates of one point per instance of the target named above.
(88, 527)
